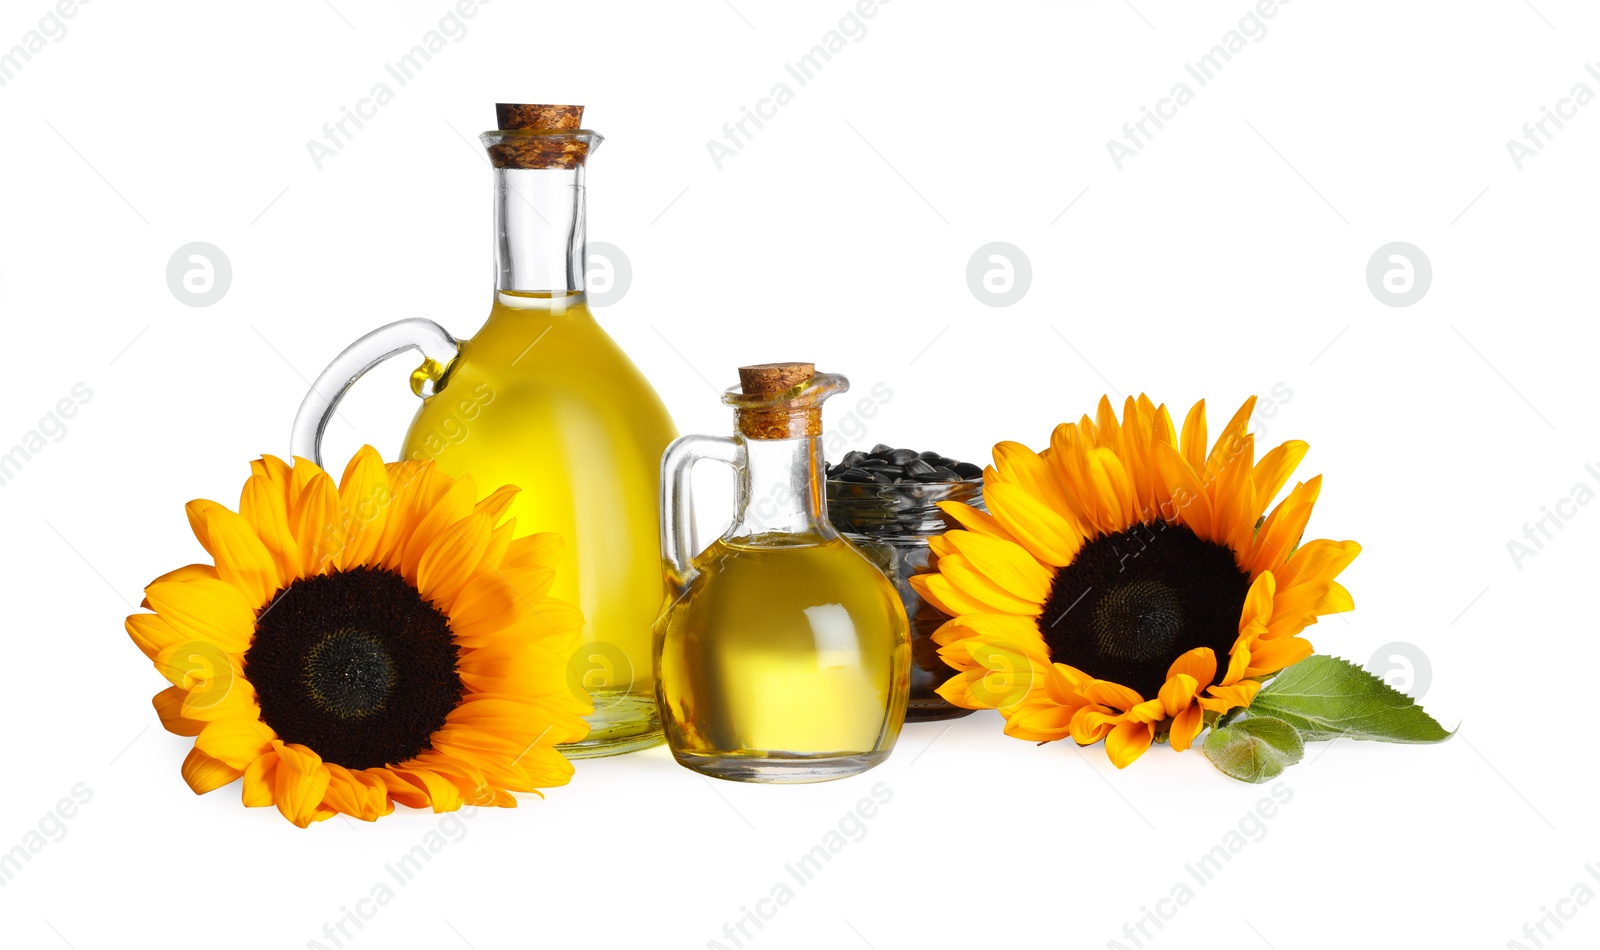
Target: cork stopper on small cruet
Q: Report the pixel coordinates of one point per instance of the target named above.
(771, 379)
(777, 419)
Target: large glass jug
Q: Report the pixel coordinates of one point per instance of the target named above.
(540, 397)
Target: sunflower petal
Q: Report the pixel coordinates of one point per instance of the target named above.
(497, 503)
(1091, 723)
(1068, 457)
(1199, 663)
(1040, 721)
(299, 783)
(258, 781)
(1238, 661)
(1297, 607)
(1185, 726)
(1178, 693)
(1021, 466)
(365, 500)
(974, 520)
(536, 550)
(960, 573)
(1107, 693)
(1230, 444)
(189, 572)
(1280, 533)
(169, 707)
(1062, 682)
(1127, 741)
(1047, 535)
(1270, 656)
(1112, 487)
(454, 505)
(1257, 610)
(1193, 442)
(264, 505)
(1189, 504)
(1007, 564)
(1151, 711)
(1021, 632)
(1233, 498)
(349, 794)
(242, 560)
(397, 788)
(1220, 699)
(202, 609)
(452, 559)
(1274, 469)
(235, 742)
(275, 471)
(205, 774)
(945, 596)
(151, 634)
(319, 526)
(197, 511)
(1108, 432)
(1320, 561)
(440, 794)
(993, 675)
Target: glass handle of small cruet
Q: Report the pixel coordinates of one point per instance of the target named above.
(438, 349)
(677, 500)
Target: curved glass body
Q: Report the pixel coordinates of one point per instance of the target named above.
(891, 525)
(573, 423)
(784, 656)
(543, 399)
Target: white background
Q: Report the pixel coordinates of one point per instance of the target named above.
(1228, 257)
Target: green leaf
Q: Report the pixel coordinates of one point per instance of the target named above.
(1255, 750)
(1324, 697)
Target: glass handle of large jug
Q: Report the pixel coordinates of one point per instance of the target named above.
(438, 349)
(677, 499)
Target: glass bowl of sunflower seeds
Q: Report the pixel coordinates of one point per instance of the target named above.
(885, 502)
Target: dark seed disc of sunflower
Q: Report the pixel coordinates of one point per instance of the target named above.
(350, 673)
(355, 666)
(1130, 603)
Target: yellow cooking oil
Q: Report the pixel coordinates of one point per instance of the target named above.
(542, 398)
(780, 656)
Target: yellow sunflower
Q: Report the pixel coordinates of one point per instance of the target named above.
(1124, 585)
(383, 641)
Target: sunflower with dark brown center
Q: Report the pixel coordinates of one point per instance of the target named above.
(385, 641)
(1116, 567)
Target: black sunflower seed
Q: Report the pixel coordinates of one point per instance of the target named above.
(888, 465)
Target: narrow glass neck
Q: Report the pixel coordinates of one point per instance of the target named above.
(780, 490)
(539, 231)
